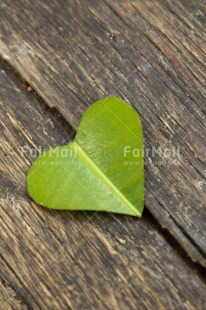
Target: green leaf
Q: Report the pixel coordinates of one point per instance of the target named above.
(101, 170)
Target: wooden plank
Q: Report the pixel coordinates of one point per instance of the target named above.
(75, 260)
(75, 53)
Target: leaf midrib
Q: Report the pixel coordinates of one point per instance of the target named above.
(89, 162)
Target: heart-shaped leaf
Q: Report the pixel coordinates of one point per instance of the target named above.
(102, 169)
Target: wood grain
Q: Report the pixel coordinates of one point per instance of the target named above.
(8, 298)
(153, 56)
(74, 260)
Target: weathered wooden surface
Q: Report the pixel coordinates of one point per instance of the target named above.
(8, 298)
(151, 54)
(74, 53)
(63, 260)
